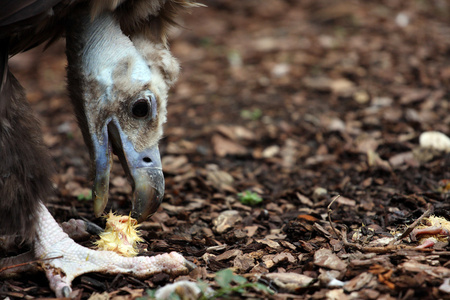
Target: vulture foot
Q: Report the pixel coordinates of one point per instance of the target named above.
(65, 259)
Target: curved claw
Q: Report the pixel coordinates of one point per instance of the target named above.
(58, 283)
(190, 265)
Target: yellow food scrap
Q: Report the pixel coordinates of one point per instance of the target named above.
(120, 235)
(433, 227)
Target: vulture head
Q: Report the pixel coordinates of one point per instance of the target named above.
(119, 85)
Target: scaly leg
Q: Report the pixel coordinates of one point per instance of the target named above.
(72, 259)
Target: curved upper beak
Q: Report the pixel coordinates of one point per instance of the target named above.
(143, 168)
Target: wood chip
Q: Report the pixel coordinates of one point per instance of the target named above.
(290, 281)
(226, 220)
(363, 280)
(325, 258)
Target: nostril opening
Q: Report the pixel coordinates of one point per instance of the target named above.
(147, 159)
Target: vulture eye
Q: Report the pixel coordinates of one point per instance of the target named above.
(141, 109)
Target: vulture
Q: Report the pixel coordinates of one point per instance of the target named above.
(118, 75)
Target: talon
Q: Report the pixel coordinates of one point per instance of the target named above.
(66, 291)
(190, 265)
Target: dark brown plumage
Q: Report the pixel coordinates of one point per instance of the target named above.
(24, 164)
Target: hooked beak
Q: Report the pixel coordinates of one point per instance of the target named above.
(143, 168)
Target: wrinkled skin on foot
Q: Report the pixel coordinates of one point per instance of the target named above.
(67, 259)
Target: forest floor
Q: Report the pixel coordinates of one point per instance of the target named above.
(294, 103)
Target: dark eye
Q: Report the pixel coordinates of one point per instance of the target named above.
(141, 109)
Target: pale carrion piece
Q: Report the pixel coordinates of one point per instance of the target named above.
(120, 235)
(433, 230)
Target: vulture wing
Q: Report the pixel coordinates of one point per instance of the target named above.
(16, 11)
(25, 165)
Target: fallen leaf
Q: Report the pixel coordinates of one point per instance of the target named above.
(325, 258)
(223, 146)
(243, 263)
(363, 280)
(445, 286)
(229, 254)
(226, 220)
(270, 243)
(290, 281)
(220, 179)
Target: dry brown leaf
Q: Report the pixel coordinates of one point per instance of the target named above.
(339, 86)
(290, 281)
(223, 146)
(229, 254)
(374, 160)
(416, 267)
(284, 256)
(236, 133)
(251, 230)
(243, 263)
(98, 296)
(308, 218)
(271, 244)
(220, 179)
(363, 280)
(226, 220)
(402, 159)
(327, 259)
(175, 164)
(304, 200)
(445, 286)
(194, 204)
(346, 201)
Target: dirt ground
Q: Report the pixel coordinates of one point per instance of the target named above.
(297, 102)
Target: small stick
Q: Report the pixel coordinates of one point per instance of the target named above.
(415, 223)
(28, 263)
(329, 215)
(379, 250)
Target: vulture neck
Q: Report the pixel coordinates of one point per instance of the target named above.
(98, 53)
(99, 46)
(105, 48)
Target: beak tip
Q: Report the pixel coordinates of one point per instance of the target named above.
(145, 203)
(99, 206)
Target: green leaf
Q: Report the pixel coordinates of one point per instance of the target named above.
(150, 295)
(83, 197)
(224, 277)
(249, 198)
(253, 115)
(262, 287)
(239, 279)
(174, 296)
(202, 285)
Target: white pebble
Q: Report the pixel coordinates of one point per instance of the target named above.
(436, 140)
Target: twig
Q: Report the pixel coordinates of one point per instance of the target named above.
(380, 250)
(386, 249)
(329, 215)
(414, 224)
(28, 263)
